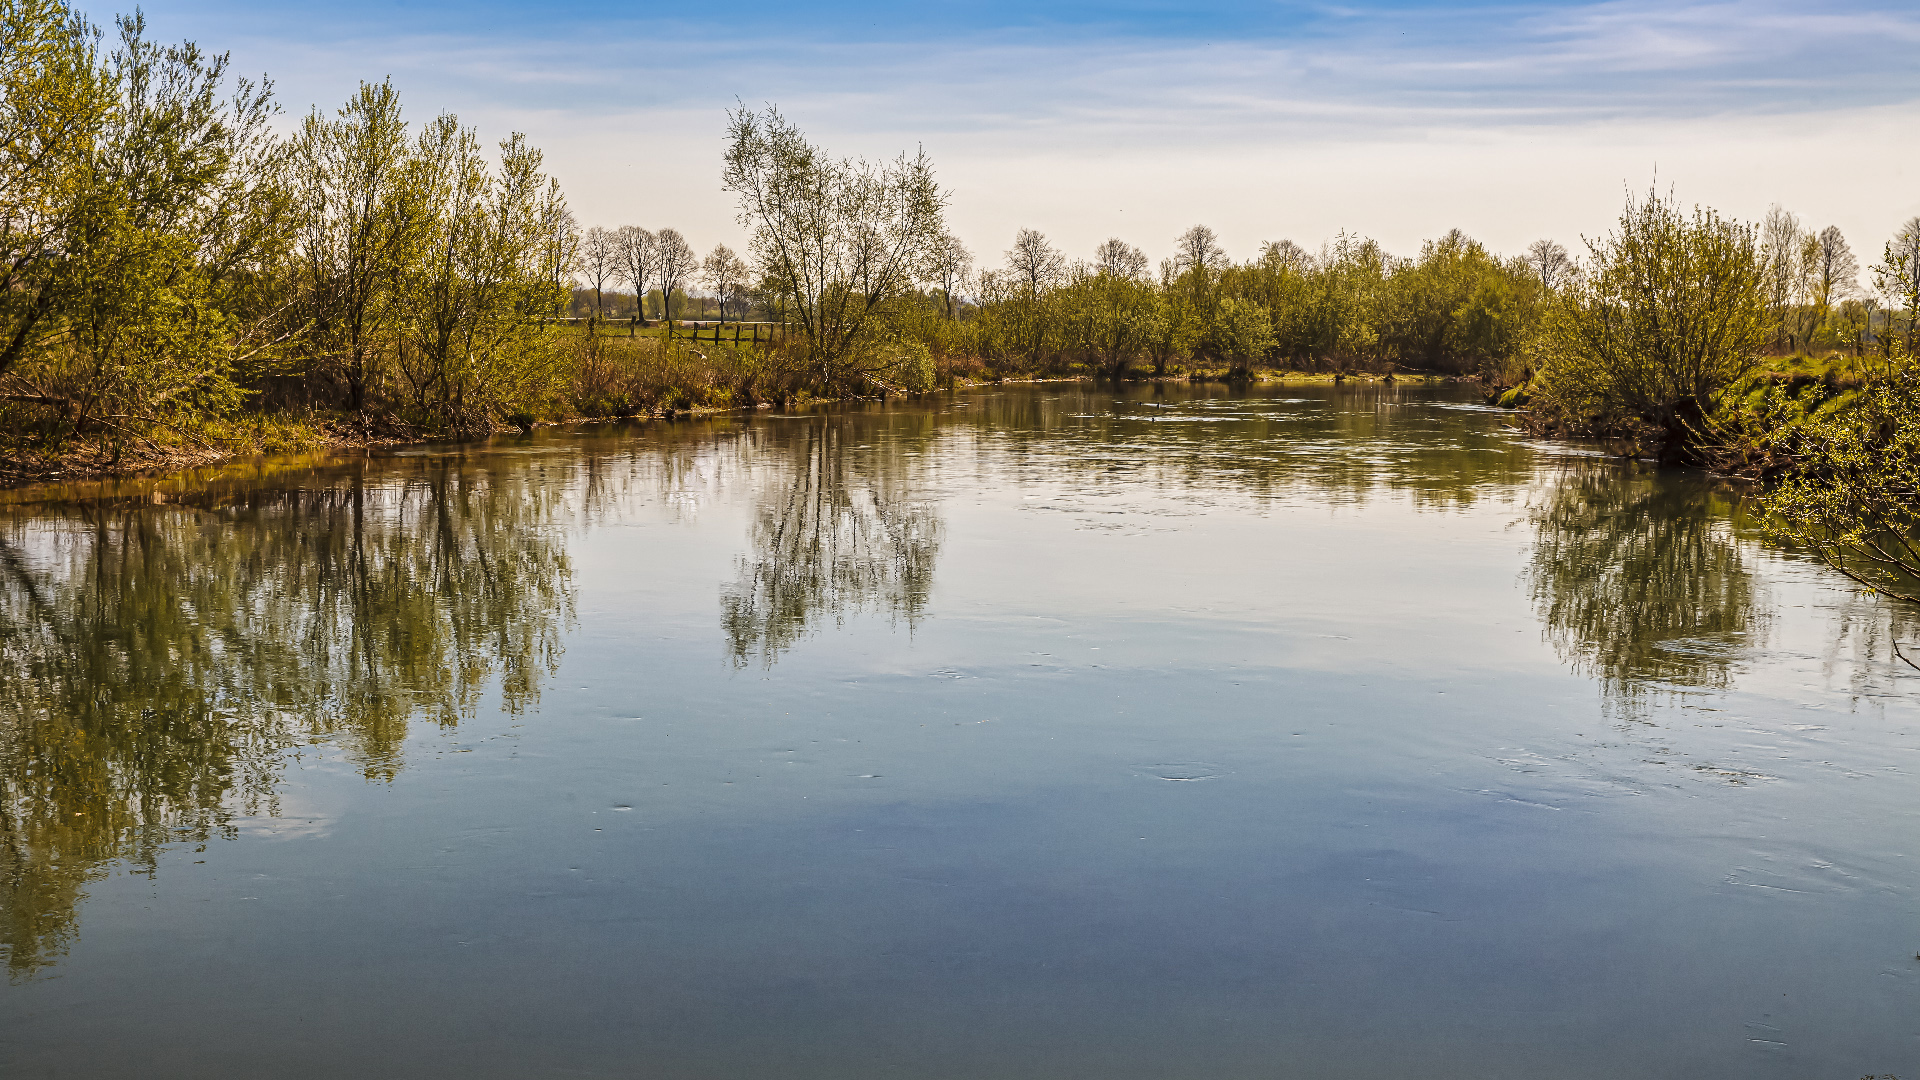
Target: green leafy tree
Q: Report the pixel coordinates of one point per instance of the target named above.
(845, 240)
(1853, 496)
(366, 210)
(1673, 311)
(1243, 331)
(138, 299)
(478, 295)
(55, 103)
(1112, 317)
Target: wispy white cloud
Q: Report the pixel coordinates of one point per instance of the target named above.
(1617, 60)
(1518, 120)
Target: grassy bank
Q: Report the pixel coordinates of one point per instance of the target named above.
(1758, 427)
(593, 376)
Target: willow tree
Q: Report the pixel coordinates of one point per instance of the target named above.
(55, 100)
(478, 292)
(1851, 496)
(1673, 310)
(142, 207)
(845, 239)
(365, 208)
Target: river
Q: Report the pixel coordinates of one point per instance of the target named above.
(1038, 732)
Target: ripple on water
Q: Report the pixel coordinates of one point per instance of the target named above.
(1182, 770)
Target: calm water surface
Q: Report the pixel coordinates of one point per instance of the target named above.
(1040, 733)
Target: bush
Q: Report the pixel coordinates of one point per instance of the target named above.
(1853, 497)
(1671, 313)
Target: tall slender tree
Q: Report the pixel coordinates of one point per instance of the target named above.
(1835, 273)
(948, 261)
(361, 197)
(675, 262)
(1898, 276)
(600, 262)
(1783, 244)
(637, 260)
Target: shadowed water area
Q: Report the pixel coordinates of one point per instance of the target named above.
(1046, 732)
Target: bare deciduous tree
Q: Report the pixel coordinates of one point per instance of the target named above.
(1783, 243)
(1549, 261)
(947, 264)
(637, 254)
(1285, 253)
(1898, 275)
(676, 262)
(1117, 258)
(726, 274)
(600, 262)
(1035, 262)
(1198, 248)
(1836, 273)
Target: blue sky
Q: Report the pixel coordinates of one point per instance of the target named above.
(1264, 120)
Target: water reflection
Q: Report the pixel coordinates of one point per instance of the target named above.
(157, 660)
(1341, 444)
(1641, 583)
(837, 530)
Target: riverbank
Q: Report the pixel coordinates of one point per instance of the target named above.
(217, 442)
(1756, 430)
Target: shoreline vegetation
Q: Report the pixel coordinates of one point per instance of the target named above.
(219, 445)
(185, 281)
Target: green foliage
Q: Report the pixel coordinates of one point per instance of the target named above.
(172, 259)
(1672, 312)
(621, 376)
(909, 366)
(143, 235)
(1853, 495)
(1115, 318)
(1242, 332)
(426, 275)
(1455, 309)
(841, 241)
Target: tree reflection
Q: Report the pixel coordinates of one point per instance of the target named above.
(836, 532)
(1640, 582)
(157, 660)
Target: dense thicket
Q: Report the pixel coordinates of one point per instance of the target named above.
(1672, 312)
(171, 259)
(1455, 308)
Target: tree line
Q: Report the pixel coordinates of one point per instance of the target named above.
(178, 269)
(859, 254)
(171, 257)
(661, 263)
